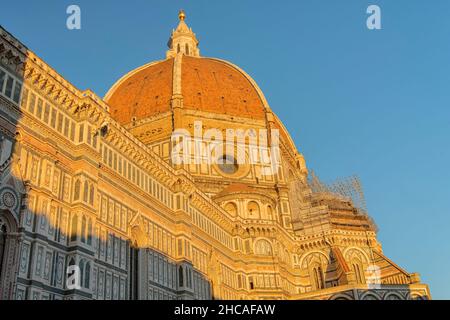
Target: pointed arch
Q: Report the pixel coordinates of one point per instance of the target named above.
(351, 252)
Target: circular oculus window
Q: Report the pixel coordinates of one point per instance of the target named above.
(228, 165)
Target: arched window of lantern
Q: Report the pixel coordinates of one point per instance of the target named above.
(83, 229)
(74, 230)
(87, 276)
(85, 191)
(77, 190)
(91, 195)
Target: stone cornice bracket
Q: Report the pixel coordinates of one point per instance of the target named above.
(187, 187)
(82, 111)
(12, 52)
(8, 39)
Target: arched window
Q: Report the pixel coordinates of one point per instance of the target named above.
(357, 269)
(180, 276)
(87, 277)
(85, 191)
(317, 278)
(83, 229)
(253, 210)
(263, 247)
(178, 48)
(82, 272)
(77, 190)
(231, 208)
(91, 195)
(269, 213)
(189, 278)
(251, 283)
(89, 232)
(74, 231)
(187, 49)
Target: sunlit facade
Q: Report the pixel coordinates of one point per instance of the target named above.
(90, 182)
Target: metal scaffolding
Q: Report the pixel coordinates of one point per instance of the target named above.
(349, 187)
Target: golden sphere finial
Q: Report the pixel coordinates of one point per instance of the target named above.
(181, 15)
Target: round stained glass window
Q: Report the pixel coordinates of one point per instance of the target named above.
(228, 164)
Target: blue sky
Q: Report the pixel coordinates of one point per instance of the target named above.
(371, 103)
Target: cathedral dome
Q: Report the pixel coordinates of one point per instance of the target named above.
(160, 97)
(203, 84)
(207, 84)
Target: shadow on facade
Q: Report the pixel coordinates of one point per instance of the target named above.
(39, 261)
(50, 248)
